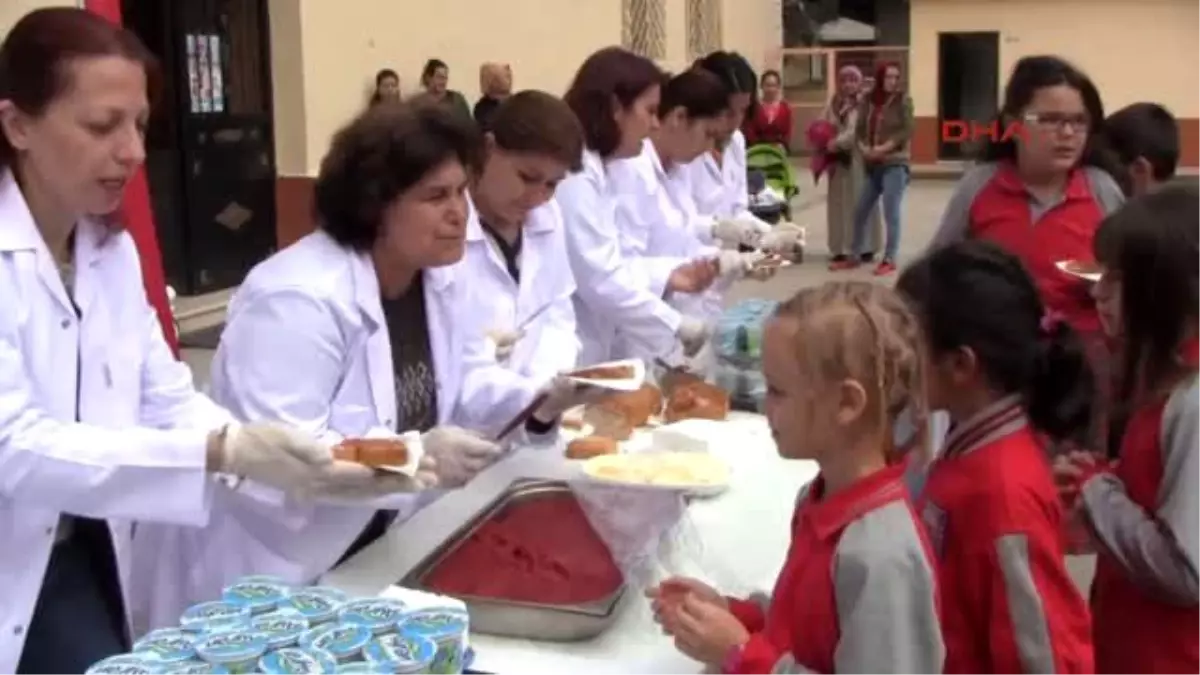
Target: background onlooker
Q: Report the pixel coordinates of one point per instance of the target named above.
(387, 86)
(435, 78)
(771, 122)
(495, 83)
(845, 172)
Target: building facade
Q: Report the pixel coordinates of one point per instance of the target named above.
(1133, 51)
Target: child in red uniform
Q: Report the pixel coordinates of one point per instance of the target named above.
(857, 592)
(1143, 512)
(1007, 376)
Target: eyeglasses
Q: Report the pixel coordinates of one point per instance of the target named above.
(1059, 122)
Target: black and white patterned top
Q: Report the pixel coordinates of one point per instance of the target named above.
(412, 359)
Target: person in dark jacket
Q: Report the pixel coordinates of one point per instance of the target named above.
(495, 82)
(435, 78)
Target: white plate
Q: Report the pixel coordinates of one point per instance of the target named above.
(698, 474)
(1064, 266)
(628, 384)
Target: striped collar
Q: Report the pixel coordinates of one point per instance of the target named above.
(995, 421)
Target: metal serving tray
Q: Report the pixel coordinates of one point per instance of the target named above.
(533, 621)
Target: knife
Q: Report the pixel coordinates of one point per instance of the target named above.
(522, 417)
(533, 317)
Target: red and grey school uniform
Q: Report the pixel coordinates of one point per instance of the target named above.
(857, 593)
(1144, 517)
(992, 511)
(991, 203)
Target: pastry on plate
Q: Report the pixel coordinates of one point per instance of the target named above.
(374, 452)
(697, 400)
(591, 446)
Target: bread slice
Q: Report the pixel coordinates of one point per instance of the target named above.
(374, 452)
(591, 446)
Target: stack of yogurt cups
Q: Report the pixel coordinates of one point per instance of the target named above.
(263, 625)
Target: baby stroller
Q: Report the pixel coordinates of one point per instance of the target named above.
(767, 163)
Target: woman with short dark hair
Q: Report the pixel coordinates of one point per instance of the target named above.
(362, 330)
(387, 87)
(435, 80)
(615, 95)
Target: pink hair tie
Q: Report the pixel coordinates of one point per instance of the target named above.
(1051, 320)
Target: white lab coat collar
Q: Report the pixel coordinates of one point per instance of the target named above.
(20, 233)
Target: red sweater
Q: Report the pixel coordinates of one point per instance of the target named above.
(992, 511)
(857, 593)
(761, 128)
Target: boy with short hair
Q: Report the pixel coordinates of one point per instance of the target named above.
(1145, 137)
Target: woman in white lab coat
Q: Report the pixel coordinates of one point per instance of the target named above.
(360, 329)
(717, 179)
(516, 257)
(615, 94)
(99, 424)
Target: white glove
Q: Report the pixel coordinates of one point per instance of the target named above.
(297, 463)
(784, 239)
(562, 394)
(735, 232)
(458, 454)
(504, 341)
(693, 333)
(734, 265)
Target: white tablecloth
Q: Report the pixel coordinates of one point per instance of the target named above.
(736, 541)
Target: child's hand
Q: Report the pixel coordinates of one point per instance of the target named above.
(668, 596)
(706, 631)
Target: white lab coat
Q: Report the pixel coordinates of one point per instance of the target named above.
(549, 345)
(609, 293)
(306, 342)
(720, 191)
(137, 451)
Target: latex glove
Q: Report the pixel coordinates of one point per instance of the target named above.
(693, 333)
(784, 239)
(504, 342)
(734, 265)
(458, 454)
(562, 394)
(740, 231)
(297, 463)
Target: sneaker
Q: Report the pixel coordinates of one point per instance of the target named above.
(843, 264)
(885, 268)
(867, 258)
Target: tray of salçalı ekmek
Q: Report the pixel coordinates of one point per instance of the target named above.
(529, 565)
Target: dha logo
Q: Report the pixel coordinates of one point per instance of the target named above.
(963, 131)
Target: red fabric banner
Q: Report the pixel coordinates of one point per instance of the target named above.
(138, 217)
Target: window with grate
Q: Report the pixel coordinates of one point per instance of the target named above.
(703, 27)
(644, 27)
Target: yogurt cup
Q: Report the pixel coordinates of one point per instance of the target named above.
(259, 596)
(316, 607)
(239, 651)
(402, 653)
(208, 617)
(282, 629)
(345, 642)
(378, 615)
(198, 668)
(362, 668)
(448, 629)
(265, 579)
(296, 661)
(167, 645)
(126, 664)
(330, 592)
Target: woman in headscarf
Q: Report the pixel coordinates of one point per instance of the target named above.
(495, 83)
(845, 168)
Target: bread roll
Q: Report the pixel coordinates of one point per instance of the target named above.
(591, 446)
(372, 451)
(610, 421)
(699, 400)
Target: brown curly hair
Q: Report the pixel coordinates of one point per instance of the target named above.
(379, 156)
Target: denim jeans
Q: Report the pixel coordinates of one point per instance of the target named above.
(889, 182)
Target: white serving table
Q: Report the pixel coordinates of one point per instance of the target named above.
(737, 541)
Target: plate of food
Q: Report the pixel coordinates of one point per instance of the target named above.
(1088, 270)
(694, 473)
(393, 455)
(626, 375)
